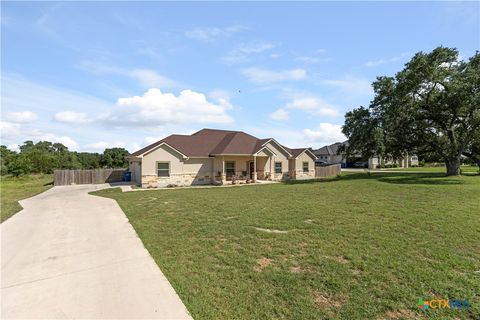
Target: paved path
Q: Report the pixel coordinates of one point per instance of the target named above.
(71, 255)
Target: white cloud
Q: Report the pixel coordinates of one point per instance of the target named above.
(306, 59)
(65, 140)
(213, 33)
(146, 77)
(14, 147)
(9, 129)
(313, 105)
(97, 146)
(243, 51)
(279, 115)
(318, 56)
(12, 131)
(350, 85)
(158, 108)
(222, 97)
(151, 78)
(100, 146)
(375, 63)
(21, 117)
(150, 140)
(327, 133)
(259, 75)
(72, 117)
(312, 60)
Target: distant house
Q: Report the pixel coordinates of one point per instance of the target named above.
(216, 156)
(330, 154)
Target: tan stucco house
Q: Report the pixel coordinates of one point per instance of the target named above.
(212, 156)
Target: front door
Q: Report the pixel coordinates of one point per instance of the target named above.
(251, 169)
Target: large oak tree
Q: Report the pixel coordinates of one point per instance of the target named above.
(431, 106)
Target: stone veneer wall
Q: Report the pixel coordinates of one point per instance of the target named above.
(179, 179)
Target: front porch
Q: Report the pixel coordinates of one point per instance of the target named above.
(243, 168)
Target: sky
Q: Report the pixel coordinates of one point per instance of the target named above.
(93, 75)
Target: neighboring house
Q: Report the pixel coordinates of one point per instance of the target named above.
(214, 156)
(330, 154)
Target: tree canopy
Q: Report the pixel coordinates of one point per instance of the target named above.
(45, 156)
(431, 106)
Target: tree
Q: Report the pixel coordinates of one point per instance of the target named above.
(114, 158)
(19, 165)
(366, 136)
(431, 106)
(89, 160)
(40, 155)
(473, 151)
(6, 157)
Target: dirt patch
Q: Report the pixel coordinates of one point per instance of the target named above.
(296, 270)
(355, 271)
(400, 314)
(271, 230)
(262, 263)
(222, 239)
(300, 270)
(326, 301)
(342, 260)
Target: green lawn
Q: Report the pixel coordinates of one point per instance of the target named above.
(464, 169)
(14, 189)
(354, 247)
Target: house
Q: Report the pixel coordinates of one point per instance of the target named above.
(212, 156)
(330, 154)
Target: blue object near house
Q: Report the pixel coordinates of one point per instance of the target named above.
(127, 176)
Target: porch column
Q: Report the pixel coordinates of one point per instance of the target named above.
(271, 167)
(223, 169)
(254, 168)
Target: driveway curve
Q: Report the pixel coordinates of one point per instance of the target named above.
(71, 255)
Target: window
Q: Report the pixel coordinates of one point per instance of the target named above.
(163, 169)
(278, 167)
(230, 169)
(305, 167)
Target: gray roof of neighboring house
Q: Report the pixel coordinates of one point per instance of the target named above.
(330, 150)
(208, 142)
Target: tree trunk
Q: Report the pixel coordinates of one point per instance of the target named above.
(453, 166)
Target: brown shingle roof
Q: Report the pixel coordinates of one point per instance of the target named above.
(207, 142)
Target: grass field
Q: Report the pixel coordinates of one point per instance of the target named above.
(356, 247)
(464, 169)
(14, 189)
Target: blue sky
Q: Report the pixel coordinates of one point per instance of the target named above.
(100, 74)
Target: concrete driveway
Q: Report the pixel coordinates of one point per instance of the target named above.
(70, 255)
